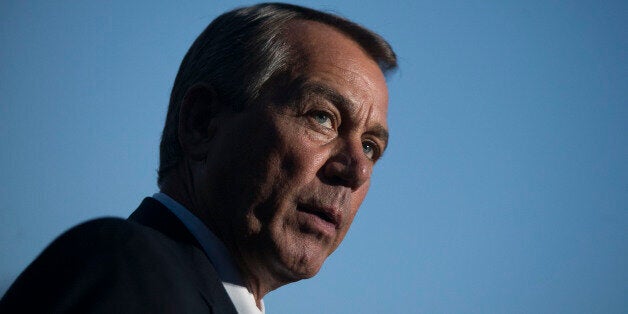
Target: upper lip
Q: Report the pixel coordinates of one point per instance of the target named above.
(331, 214)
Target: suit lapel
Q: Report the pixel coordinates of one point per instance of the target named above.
(151, 213)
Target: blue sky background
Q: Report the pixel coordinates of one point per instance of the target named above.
(504, 189)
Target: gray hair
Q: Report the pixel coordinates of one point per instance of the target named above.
(243, 50)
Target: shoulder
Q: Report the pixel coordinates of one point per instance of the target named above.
(107, 265)
(105, 239)
(105, 232)
(106, 235)
(118, 247)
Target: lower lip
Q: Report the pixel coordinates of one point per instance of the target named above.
(317, 224)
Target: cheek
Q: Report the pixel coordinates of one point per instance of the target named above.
(302, 156)
(357, 198)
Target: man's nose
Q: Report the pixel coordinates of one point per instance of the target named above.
(349, 167)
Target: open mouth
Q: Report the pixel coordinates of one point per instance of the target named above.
(323, 214)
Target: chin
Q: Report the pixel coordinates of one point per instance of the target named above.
(308, 269)
(297, 251)
(294, 273)
(304, 260)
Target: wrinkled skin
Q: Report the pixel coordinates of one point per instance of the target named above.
(281, 181)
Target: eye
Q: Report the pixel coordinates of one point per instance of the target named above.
(370, 150)
(323, 118)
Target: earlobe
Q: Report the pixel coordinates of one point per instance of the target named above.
(198, 110)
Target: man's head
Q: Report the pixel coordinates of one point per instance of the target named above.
(276, 119)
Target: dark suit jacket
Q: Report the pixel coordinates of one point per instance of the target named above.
(149, 263)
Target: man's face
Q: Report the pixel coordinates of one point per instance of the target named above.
(289, 175)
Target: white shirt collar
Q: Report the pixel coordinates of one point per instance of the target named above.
(218, 255)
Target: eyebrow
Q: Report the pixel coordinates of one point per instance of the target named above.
(309, 88)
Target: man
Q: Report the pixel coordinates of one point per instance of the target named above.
(276, 119)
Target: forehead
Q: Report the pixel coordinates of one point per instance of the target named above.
(333, 59)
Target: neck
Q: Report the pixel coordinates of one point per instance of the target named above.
(258, 273)
(180, 186)
(259, 286)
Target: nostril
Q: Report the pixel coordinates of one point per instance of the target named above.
(350, 174)
(348, 167)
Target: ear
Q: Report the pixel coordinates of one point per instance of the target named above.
(198, 109)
